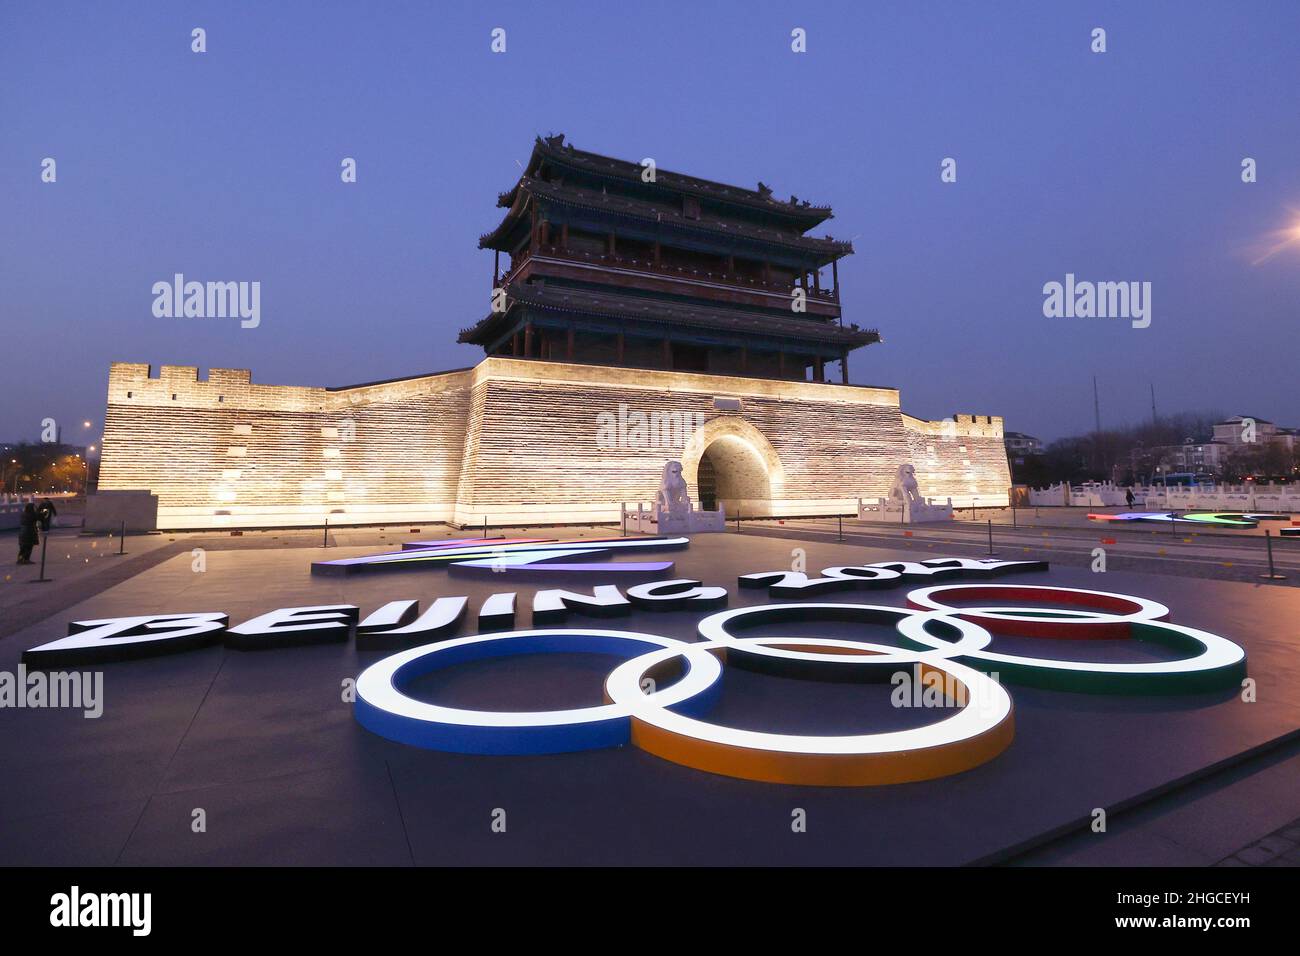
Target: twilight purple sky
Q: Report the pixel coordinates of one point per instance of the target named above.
(225, 166)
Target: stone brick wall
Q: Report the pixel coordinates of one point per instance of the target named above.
(517, 441)
(963, 458)
(227, 452)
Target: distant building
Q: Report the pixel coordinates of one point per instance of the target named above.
(1199, 457)
(1236, 437)
(1020, 445)
(1245, 429)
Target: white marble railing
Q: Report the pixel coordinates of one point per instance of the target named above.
(1264, 498)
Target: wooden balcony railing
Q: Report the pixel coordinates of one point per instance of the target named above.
(667, 270)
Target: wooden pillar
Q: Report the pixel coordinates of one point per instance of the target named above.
(620, 347)
(817, 280)
(610, 243)
(767, 271)
(568, 345)
(819, 369)
(546, 233)
(744, 358)
(514, 345)
(564, 235)
(528, 340)
(844, 367)
(668, 352)
(731, 265)
(780, 363)
(658, 256)
(835, 277)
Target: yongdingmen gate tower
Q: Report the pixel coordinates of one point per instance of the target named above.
(616, 263)
(627, 292)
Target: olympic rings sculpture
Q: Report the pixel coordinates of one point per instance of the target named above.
(948, 641)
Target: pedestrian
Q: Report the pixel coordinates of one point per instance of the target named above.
(27, 535)
(1129, 496)
(47, 511)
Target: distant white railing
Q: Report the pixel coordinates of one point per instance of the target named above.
(1245, 497)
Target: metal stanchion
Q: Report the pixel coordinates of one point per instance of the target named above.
(485, 526)
(45, 539)
(1272, 575)
(839, 521)
(325, 535)
(121, 545)
(991, 551)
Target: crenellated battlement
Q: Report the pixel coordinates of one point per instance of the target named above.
(958, 426)
(179, 386)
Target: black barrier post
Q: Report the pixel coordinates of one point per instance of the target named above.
(485, 526)
(45, 539)
(991, 551)
(737, 519)
(1013, 515)
(325, 535)
(1173, 525)
(121, 545)
(839, 521)
(1268, 543)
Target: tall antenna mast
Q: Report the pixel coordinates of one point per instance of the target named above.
(1096, 405)
(1155, 419)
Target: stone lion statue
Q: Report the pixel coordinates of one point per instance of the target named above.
(674, 497)
(905, 488)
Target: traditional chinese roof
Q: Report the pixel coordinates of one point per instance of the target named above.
(555, 150)
(661, 213)
(609, 305)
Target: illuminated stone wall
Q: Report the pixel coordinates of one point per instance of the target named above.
(518, 441)
(227, 452)
(963, 458)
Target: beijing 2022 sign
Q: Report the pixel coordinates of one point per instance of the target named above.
(943, 637)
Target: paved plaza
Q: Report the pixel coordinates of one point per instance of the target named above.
(265, 746)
